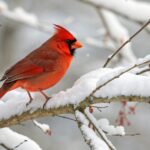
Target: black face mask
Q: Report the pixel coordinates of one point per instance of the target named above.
(69, 43)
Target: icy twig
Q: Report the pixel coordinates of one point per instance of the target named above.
(44, 127)
(64, 117)
(90, 137)
(93, 121)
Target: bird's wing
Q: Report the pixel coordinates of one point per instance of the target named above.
(32, 65)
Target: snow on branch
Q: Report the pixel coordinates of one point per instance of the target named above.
(20, 15)
(94, 122)
(91, 138)
(138, 11)
(110, 129)
(122, 84)
(119, 72)
(11, 140)
(44, 127)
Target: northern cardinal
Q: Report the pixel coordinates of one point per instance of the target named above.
(43, 67)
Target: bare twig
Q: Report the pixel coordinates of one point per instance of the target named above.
(143, 71)
(68, 118)
(127, 134)
(117, 76)
(100, 107)
(126, 42)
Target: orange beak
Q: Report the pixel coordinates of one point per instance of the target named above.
(76, 45)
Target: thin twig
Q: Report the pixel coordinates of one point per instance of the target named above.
(64, 117)
(127, 134)
(19, 144)
(143, 71)
(126, 42)
(117, 76)
(100, 107)
(7, 148)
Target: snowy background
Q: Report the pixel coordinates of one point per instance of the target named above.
(17, 39)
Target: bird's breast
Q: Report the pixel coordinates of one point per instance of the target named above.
(47, 79)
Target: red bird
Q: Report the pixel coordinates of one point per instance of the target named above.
(43, 67)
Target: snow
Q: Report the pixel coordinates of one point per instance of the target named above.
(110, 129)
(89, 135)
(80, 117)
(136, 10)
(44, 127)
(18, 14)
(94, 121)
(22, 16)
(12, 139)
(95, 142)
(128, 84)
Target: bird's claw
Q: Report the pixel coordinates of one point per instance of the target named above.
(27, 104)
(48, 98)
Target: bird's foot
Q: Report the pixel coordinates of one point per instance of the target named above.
(47, 99)
(30, 101)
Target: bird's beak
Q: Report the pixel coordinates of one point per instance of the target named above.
(76, 45)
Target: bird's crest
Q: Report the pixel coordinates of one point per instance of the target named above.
(62, 33)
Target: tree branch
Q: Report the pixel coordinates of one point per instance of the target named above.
(67, 109)
(117, 76)
(93, 121)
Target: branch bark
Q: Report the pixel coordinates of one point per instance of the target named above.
(67, 109)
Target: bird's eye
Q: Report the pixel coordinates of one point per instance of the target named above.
(68, 42)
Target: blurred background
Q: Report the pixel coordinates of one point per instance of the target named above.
(18, 39)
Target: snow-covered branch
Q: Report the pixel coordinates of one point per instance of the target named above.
(30, 19)
(94, 122)
(91, 138)
(11, 140)
(17, 119)
(137, 11)
(20, 15)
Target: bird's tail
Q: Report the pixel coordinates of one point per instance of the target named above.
(2, 92)
(5, 88)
